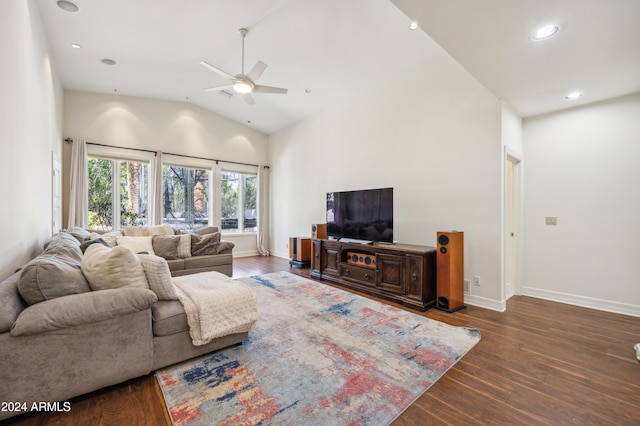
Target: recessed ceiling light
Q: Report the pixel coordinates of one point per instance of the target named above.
(413, 25)
(67, 6)
(76, 46)
(573, 95)
(545, 32)
(108, 61)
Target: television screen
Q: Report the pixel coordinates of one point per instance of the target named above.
(362, 215)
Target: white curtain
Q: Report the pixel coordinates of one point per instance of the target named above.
(155, 213)
(79, 197)
(215, 212)
(263, 210)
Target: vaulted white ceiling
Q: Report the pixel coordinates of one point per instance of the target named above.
(324, 51)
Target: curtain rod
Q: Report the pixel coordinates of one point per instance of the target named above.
(69, 140)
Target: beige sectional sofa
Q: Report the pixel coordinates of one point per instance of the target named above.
(61, 337)
(183, 253)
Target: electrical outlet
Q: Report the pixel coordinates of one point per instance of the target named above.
(551, 220)
(476, 280)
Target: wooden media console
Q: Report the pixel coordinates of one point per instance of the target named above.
(399, 272)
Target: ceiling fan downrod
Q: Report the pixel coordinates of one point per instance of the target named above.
(243, 32)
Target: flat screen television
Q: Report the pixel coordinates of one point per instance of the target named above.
(362, 215)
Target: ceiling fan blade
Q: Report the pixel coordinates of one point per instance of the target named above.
(216, 70)
(257, 71)
(247, 98)
(269, 89)
(218, 88)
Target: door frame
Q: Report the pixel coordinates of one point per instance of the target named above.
(513, 207)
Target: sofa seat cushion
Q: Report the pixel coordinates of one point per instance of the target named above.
(54, 273)
(168, 318)
(176, 265)
(196, 262)
(80, 309)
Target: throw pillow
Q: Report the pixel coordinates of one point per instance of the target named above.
(202, 245)
(184, 246)
(116, 267)
(137, 244)
(148, 231)
(166, 246)
(54, 273)
(158, 276)
(87, 243)
(109, 237)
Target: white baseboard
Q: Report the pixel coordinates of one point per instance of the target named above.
(585, 302)
(483, 302)
(246, 253)
(284, 254)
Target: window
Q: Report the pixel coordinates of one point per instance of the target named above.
(239, 209)
(118, 193)
(185, 197)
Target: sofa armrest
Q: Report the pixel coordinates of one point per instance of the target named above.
(79, 309)
(225, 247)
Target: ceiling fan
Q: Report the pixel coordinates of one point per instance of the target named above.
(244, 84)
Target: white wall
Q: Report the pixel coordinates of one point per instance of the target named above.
(582, 166)
(171, 127)
(31, 122)
(513, 246)
(512, 137)
(433, 135)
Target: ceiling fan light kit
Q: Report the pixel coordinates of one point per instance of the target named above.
(243, 84)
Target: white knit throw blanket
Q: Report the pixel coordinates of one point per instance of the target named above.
(215, 305)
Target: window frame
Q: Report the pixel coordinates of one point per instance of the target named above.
(243, 172)
(119, 155)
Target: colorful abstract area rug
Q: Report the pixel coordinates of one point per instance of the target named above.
(317, 356)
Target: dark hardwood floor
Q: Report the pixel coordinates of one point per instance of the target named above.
(538, 363)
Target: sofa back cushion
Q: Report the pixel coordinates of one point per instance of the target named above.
(54, 273)
(11, 304)
(107, 268)
(148, 231)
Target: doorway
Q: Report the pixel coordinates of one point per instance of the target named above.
(512, 223)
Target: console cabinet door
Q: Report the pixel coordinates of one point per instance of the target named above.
(391, 273)
(415, 277)
(316, 255)
(330, 258)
